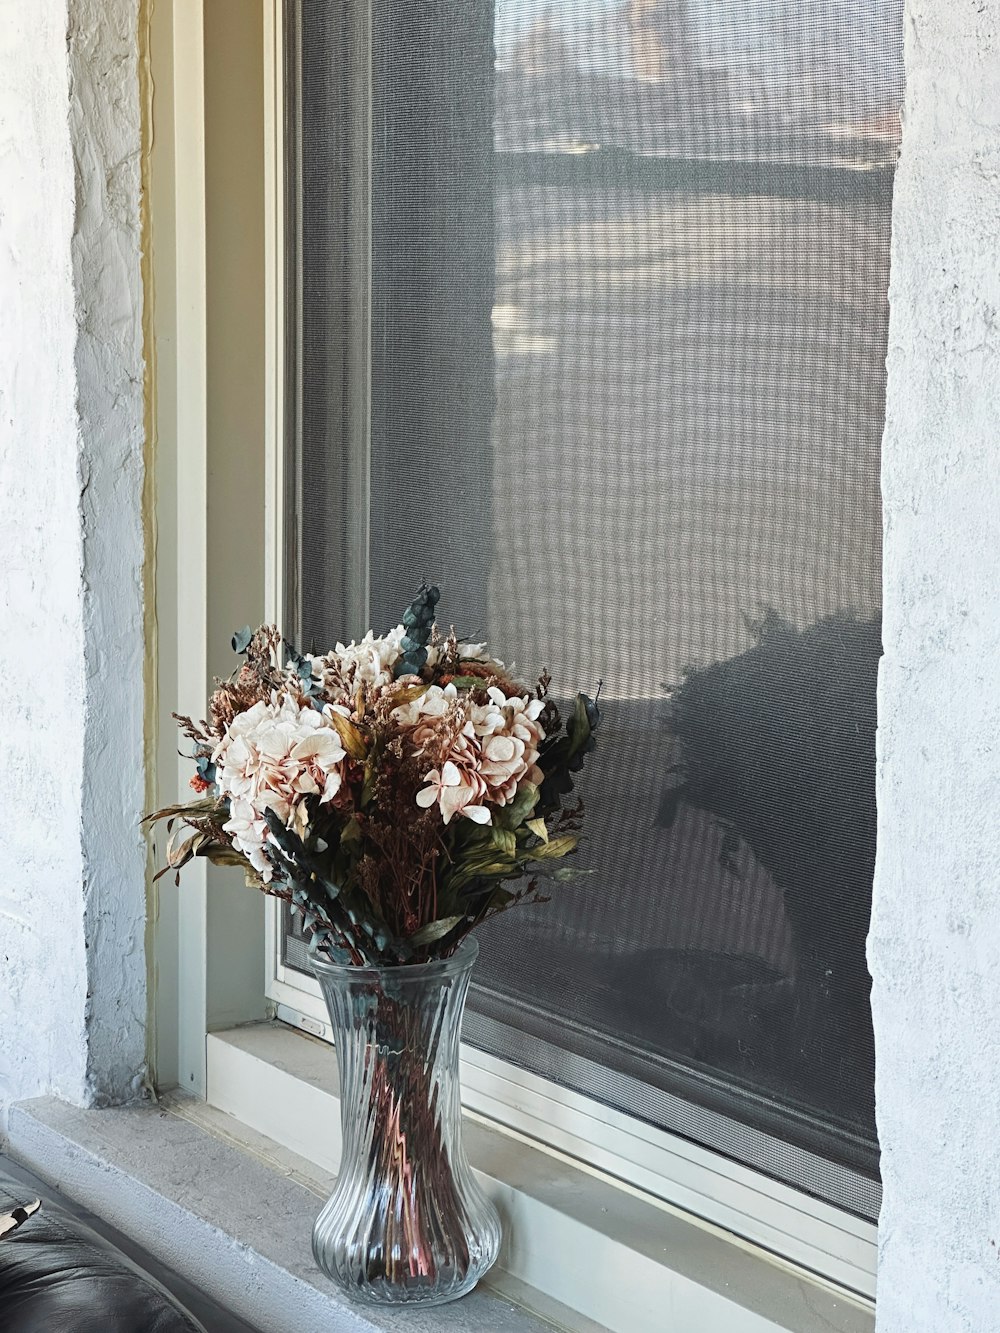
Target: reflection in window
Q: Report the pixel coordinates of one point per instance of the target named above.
(629, 265)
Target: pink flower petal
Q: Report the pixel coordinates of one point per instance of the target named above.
(478, 813)
(452, 800)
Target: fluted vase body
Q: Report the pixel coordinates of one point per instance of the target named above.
(407, 1223)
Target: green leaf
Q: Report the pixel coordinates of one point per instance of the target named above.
(522, 805)
(539, 829)
(351, 832)
(418, 619)
(368, 786)
(505, 840)
(578, 728)
(485, 860)
(241, 639)
(434, 931)
(501, 898)
(467, 682)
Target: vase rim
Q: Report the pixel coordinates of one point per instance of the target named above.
(460, 961)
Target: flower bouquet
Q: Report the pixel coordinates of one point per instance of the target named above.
(396, 792)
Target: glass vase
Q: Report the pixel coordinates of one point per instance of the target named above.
(407, 1223)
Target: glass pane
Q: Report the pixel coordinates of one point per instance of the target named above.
(627, 328)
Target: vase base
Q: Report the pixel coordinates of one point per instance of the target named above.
(408, 1298)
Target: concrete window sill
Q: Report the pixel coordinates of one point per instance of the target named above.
(576, 1236)
(231, 1210)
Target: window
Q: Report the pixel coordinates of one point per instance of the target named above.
(587, 321)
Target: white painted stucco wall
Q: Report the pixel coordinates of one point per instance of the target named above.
(72, 893)
(935, 943)
(71, 788)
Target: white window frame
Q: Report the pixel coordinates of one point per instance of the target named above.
(201, 973)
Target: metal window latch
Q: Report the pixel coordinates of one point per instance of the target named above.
(9, 1222)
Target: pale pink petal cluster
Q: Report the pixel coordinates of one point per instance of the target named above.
(437, 720)
(510, 736)
(489, 749)
(271, 757)
(457, 790)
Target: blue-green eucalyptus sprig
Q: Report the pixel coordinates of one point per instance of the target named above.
(308, 684)
(418, 621)
(241, 640)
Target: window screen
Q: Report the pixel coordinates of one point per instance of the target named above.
(590, 327)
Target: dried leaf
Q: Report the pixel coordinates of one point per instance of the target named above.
(203, 809)
(555, 847)
(406, 694)
(180, 853)
(221, 855)
(539, 829)
(351, 737)
(434, 931)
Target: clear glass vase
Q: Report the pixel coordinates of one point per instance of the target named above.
(407, 1223)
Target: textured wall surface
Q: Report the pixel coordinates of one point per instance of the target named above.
(72, 897)
(935, 943)
(72, 989)
(106, 134)
(42, 967)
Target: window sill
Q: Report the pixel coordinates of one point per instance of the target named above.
(614, 1257)
(230, 1212)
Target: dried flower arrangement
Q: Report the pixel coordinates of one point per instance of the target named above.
(387, 790)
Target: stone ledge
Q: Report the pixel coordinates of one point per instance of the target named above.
(581, 1239)
(233, 1215)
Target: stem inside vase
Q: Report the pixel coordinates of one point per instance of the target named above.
(407, 1220)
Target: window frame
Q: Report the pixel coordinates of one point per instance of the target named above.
(203, 940)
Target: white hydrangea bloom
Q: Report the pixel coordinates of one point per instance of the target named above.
(433, 703)
(468, 652)
(272, 756)
(371, 661)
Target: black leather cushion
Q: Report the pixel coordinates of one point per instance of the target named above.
(59, 1276)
